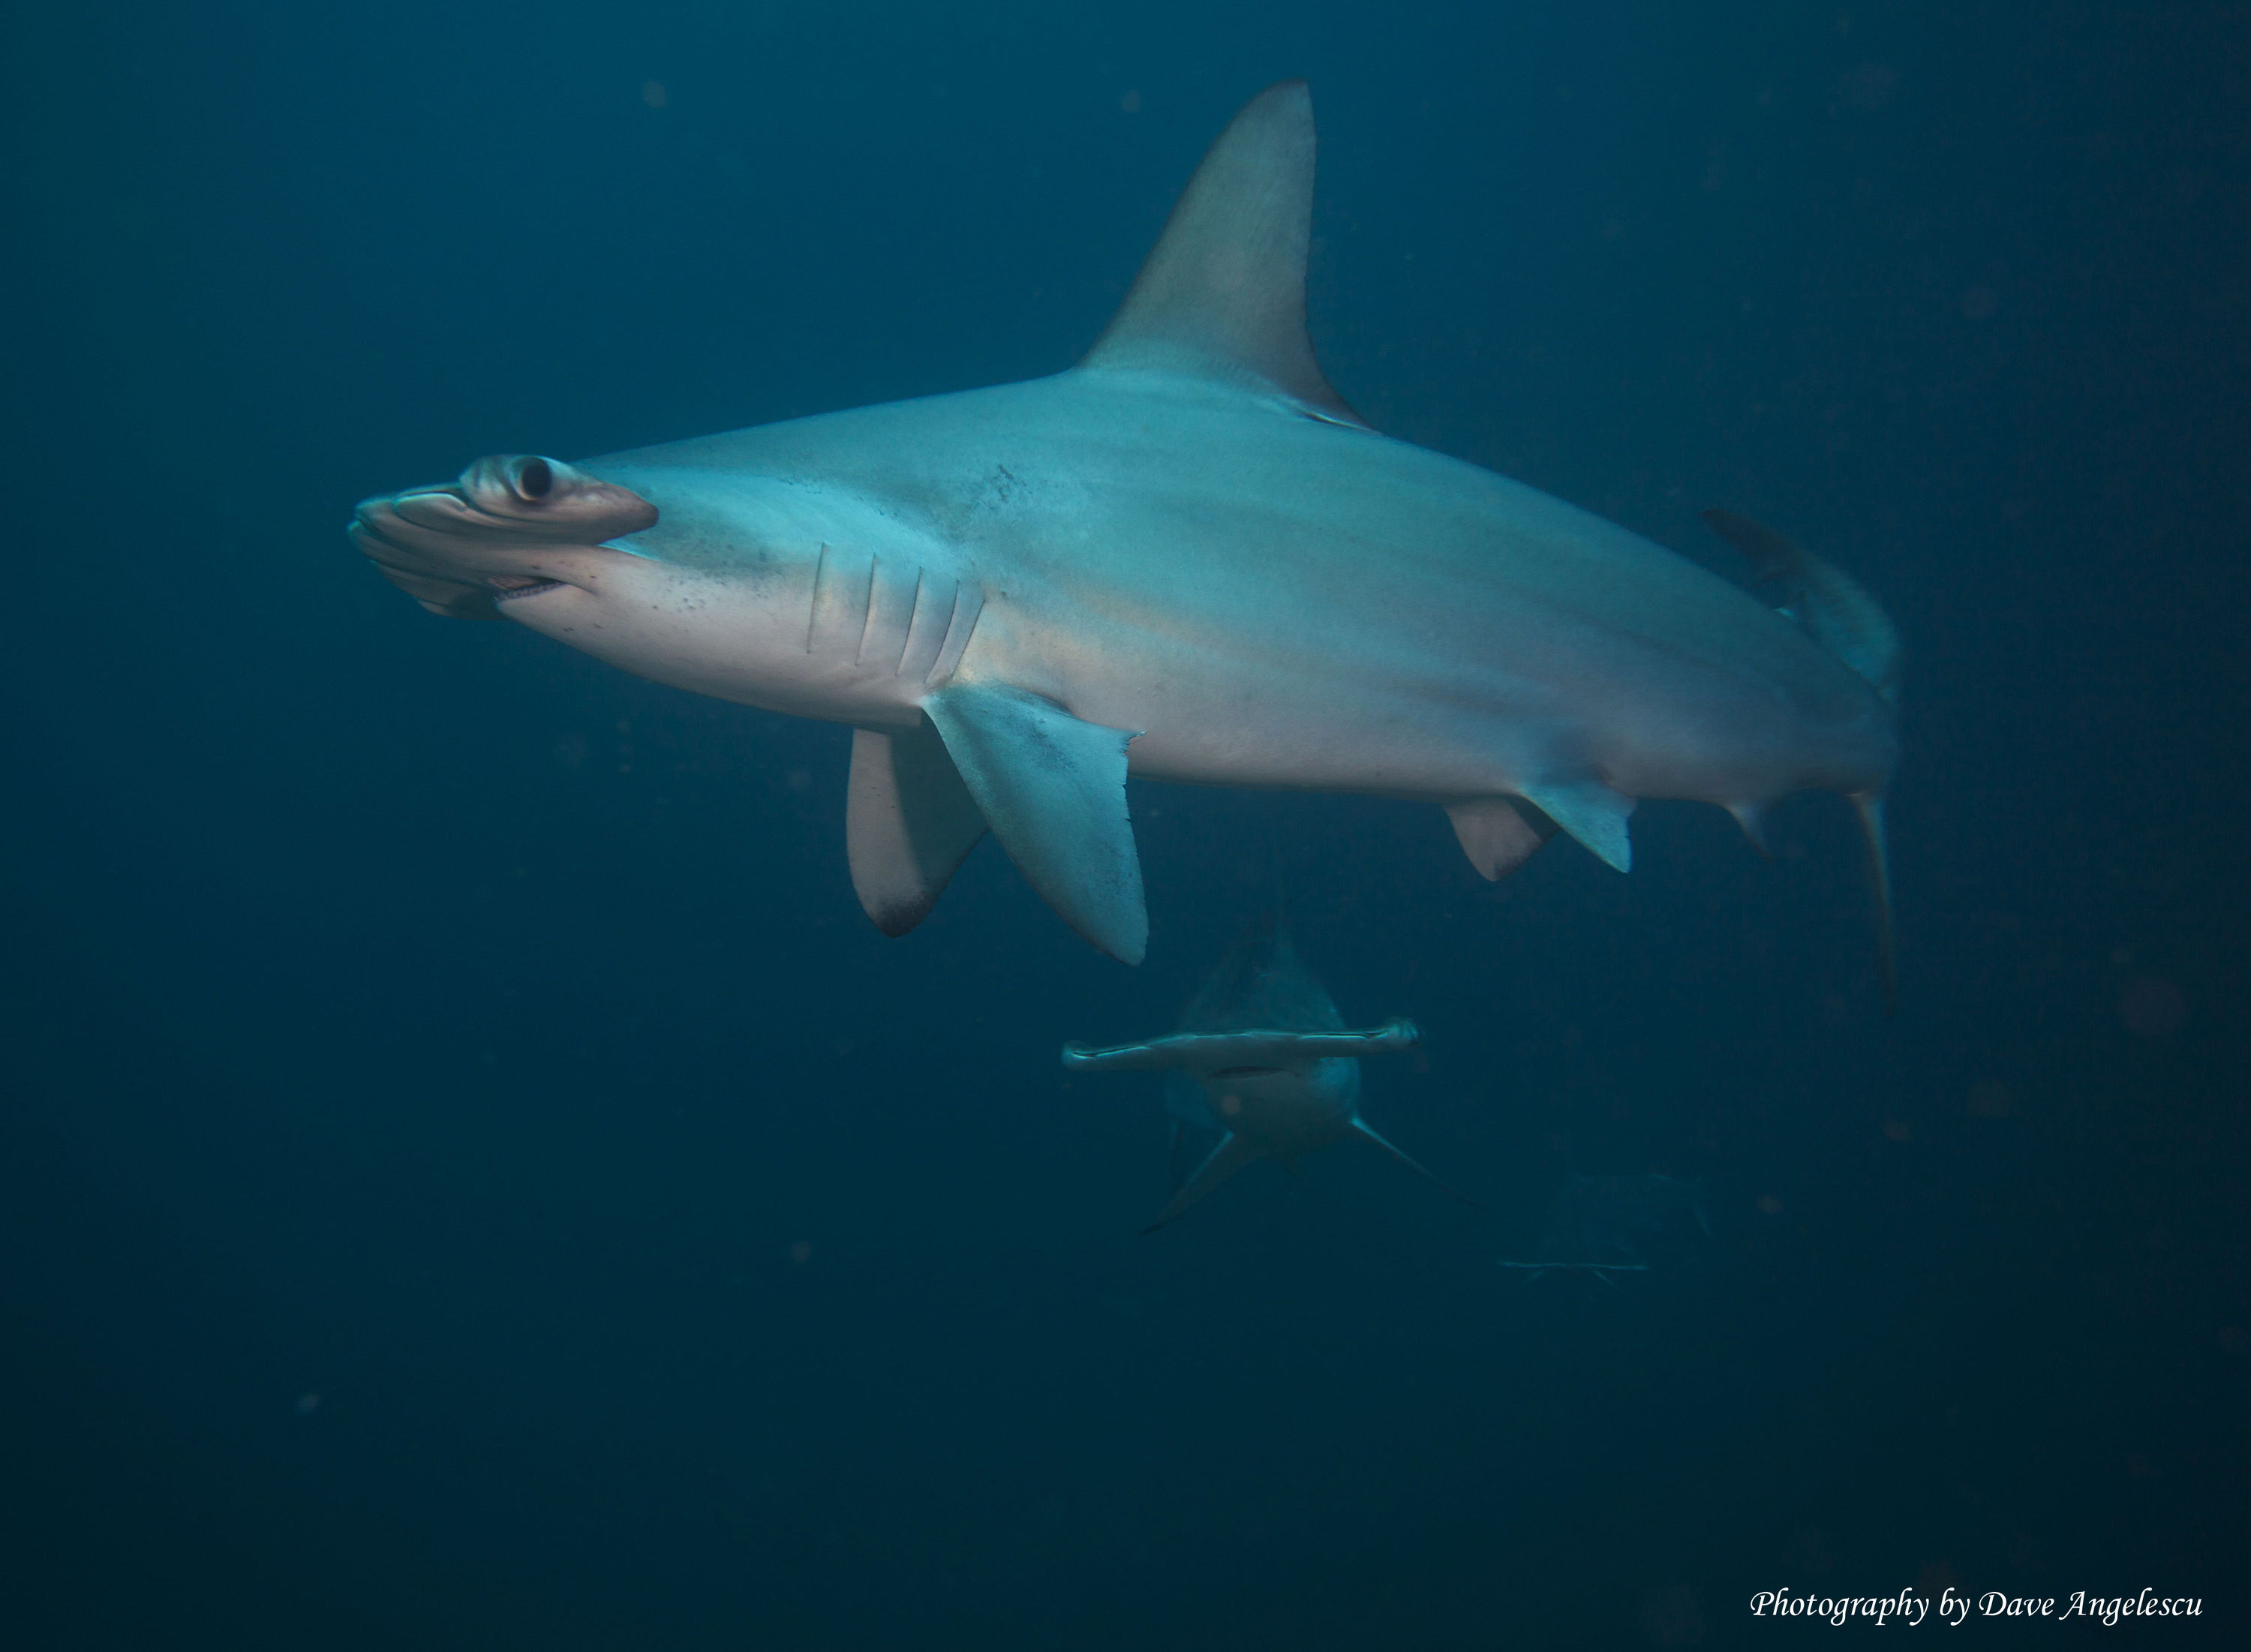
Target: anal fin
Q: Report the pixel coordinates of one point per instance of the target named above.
(908, 823)
(1053, 789)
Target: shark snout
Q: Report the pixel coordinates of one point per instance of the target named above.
(508, 500)
(495, 533)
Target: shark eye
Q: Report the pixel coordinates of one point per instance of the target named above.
(535, 480)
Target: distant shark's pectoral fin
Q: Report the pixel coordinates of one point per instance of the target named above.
(1053, 789)
(1375, 1135)
(1223, 294)
(909, 822)
(1497, 835)
(1230, 1156)
(1829, 603)
(1591, 812)
(1178, 1165)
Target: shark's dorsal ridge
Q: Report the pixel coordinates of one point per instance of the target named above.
(1222, 293)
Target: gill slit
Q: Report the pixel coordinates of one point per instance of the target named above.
(950, 652)
(868, 610)
(914, 612)
(812, 608)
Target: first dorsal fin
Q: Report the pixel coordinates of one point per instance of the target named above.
(1223, 294)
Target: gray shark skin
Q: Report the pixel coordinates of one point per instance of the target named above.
(1186, 559)
(1262, 1060)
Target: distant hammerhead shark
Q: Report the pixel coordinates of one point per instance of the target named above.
(1597, 1225)
(1187, 559)
(1263, 1060)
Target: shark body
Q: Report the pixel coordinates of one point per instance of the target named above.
(1186, 558)
(1263, 1067)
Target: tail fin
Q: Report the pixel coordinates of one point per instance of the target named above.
(1830, 604)
(1851, 625)
(1871, 806)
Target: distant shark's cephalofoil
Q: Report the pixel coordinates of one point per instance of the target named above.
(1263, 1067)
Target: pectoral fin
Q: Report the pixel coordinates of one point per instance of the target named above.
(1496, 835)
(1591, 812)
(1372, 1135)
(1178, 1164)
(1053, 789)
(909, 822)
(1230, 1156)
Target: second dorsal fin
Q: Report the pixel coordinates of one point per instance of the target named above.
(1223, 294)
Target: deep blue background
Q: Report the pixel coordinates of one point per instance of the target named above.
(424, 1047)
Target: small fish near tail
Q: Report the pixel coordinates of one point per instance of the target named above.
(1839, 615)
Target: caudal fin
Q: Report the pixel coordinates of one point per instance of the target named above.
(1851, 625)
(1831, 605)
(1871, 807)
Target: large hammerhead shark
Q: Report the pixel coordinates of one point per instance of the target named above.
(1186, 558)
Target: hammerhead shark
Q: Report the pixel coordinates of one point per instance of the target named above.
(1187, 559)
(1599, 1225)
(1263, 1060)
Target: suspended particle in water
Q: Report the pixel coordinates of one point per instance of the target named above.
(2153, 1007)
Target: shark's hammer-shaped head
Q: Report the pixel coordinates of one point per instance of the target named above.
(515, 529)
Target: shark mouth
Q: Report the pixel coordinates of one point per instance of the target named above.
(512, 588)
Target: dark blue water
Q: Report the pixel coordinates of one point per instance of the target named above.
(470, 1177)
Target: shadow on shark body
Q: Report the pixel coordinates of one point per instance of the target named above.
(1187, 559)
(1262, 1067)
